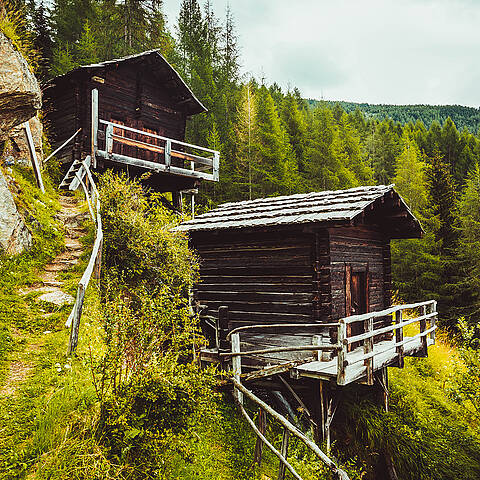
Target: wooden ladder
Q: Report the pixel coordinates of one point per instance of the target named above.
(75, 175)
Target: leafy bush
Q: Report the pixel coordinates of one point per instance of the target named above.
(425, 433)
(14, 26)
(139, 246)
(143, 421)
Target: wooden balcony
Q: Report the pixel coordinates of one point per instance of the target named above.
(129, 146)
(405, 330)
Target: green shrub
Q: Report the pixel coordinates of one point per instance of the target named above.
(141, 425)
(14, 25)
(139, 246)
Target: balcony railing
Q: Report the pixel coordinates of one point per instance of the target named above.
(145, 149)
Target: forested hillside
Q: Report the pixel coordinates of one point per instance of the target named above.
(463, 117)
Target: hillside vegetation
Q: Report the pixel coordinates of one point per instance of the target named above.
(134, 403)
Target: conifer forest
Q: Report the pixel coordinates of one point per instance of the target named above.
(273, 141)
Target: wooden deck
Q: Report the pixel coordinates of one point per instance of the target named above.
(340, 356)
(384, 352)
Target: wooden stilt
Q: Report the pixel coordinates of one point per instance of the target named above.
(331, 408)
(384, 383)
(284, 452)
(262, 426)
(322, 409)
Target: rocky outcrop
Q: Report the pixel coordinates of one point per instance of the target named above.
(20, 95)
(17, 150)
(14, 234)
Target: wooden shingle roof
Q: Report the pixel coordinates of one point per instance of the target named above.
(337, 206)
(150, 61)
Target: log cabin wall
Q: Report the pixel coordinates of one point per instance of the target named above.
(363, 249)
(126, 96)
(268, 277)
(61, 116)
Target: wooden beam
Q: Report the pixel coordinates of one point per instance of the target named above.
(33, 156)
(283, 451)
(94, 131)
(368, 348)
(399, 338)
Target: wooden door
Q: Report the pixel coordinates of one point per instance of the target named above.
(356, 299)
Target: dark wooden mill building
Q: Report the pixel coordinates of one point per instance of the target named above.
(305, 282)
(130, 113)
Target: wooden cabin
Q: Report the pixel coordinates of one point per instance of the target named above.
(130, 113)
(320, 261)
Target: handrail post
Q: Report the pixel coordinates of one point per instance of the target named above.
(33, 155)
(236, 366)
(109, 139)
(94, 132)
(433, 320)
(168, 153)
(423, 327)
(399, 337)
(341, 354)
(368, 348)
(216, 166)
(77, 314)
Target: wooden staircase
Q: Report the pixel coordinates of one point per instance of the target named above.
(75, 175)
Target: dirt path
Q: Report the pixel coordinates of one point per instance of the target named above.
(50, 288)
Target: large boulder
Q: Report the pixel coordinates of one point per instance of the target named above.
(18, 150)
(20, 95)
(14, 234)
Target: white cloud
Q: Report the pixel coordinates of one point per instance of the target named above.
(376, 51)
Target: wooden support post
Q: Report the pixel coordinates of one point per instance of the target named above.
(77, 314)
(94, 132)
(323, 411)
(423, 327)
(433, 321)
(177, 201)
(384, 380)
(331, 404)
(98, 262)
(216, 166)
(283, 451)
(368, 348)
(399, 337)
(222, 329)
(33, 155)
(237, 365)
(262, 427)
(168, 153)
(109, 139)
(341, 354)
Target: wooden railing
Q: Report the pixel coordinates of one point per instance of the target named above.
(396, 347)
(204, 163)
(382, 346)
(94, 264)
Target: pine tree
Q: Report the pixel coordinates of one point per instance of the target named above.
(87, 47)
(296, 127)
(469, 245)
(246, 140)
(42, 38)
(410, 177)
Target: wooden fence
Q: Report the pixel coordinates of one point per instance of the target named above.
(94, 264)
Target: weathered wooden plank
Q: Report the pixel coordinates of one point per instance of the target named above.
(271, 307)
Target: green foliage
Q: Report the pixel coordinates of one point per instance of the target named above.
(468, 117)
(139, 245)
(14, 26)
(146, 418)
(425, 433)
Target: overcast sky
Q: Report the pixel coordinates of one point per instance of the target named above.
(375, 51)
